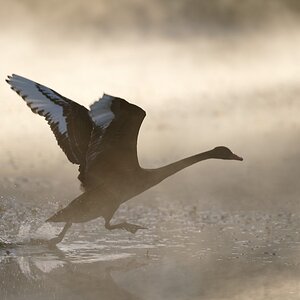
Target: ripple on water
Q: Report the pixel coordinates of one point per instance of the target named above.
(198, 233)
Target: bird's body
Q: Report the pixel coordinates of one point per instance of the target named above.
(102, 200)
(103, 142)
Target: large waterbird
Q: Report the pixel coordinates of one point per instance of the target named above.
(103, 142)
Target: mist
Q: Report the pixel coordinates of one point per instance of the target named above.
(207, 74)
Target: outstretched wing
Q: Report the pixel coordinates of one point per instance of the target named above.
(69, 121)
(112, 148)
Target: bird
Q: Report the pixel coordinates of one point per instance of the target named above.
(102, 140)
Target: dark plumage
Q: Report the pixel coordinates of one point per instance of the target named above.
(102, 141)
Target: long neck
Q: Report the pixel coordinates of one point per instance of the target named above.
(168, 170)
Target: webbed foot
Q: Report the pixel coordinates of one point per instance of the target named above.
(53, 242)
(132, 227)
(125, 226)
(41, 242)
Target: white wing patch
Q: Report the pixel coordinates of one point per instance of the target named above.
(101, 112)
(41, 100)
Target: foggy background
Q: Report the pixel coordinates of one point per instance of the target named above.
(207, 73)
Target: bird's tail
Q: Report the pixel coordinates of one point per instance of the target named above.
(57, 217)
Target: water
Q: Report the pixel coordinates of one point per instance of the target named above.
(185, 253)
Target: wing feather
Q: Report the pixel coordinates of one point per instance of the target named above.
(103, 141)
(69, 121)
(113, 144)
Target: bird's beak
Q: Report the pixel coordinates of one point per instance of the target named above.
(236, 157)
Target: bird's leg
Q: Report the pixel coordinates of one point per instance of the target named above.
(124, 225)
(60, 237)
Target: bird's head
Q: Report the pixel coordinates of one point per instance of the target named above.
(222, 152)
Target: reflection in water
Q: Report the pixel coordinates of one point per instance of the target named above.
(50, 274)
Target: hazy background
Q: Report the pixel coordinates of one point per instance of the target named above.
(207, 73)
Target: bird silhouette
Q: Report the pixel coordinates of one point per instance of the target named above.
(103, 142)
